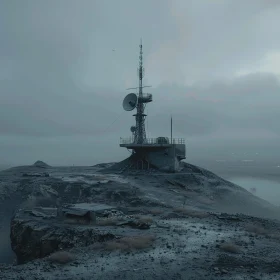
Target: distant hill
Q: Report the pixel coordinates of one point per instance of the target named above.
(4, 166)
(41, 164)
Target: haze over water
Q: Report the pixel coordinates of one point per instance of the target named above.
(264, 176)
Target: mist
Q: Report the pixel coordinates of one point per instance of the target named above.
(65, 67)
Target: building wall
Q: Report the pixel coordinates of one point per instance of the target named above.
(166, 158)
(180, 150)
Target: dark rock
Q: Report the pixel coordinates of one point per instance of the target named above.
(34, 237)
(224, 271)
(172, 215)
(135, 224)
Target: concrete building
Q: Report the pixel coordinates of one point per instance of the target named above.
(155, 153)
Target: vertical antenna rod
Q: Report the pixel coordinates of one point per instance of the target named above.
(140, 133)
(141, 69)
(171, 131)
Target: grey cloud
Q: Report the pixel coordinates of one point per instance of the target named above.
(61, 85)
(217, 38)
(249, 102)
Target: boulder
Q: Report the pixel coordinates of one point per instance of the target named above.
(37, 233)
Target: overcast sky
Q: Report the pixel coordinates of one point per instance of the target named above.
(66, 64)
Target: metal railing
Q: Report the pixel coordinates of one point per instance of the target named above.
(153, 141)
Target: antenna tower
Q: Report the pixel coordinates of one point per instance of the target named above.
(138, 101)
(140, 132)
(146, 151)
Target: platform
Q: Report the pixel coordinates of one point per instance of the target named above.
(160, 142)
(158, 152)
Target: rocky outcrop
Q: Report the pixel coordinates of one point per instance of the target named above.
(41, 164)
(7, 189)
(36, 235)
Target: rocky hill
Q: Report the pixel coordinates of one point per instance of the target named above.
(190, 224)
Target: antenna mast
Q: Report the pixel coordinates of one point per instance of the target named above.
(140, 132)
(139, 100)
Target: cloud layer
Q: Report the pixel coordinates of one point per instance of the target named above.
(65, 66)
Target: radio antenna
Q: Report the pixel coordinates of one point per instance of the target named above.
(138, 101)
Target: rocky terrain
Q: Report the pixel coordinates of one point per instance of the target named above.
(187, 225)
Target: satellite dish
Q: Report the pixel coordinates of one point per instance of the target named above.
(133, 129)
(130, 102)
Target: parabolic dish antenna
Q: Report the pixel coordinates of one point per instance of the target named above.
(130, 102)
(133, 129)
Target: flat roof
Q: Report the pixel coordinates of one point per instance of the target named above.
(133, 146)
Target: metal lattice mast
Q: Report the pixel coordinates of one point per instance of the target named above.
(140, 132)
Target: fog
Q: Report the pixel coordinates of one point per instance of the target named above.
(65, 66)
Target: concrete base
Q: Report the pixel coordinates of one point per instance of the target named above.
(165, 158)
